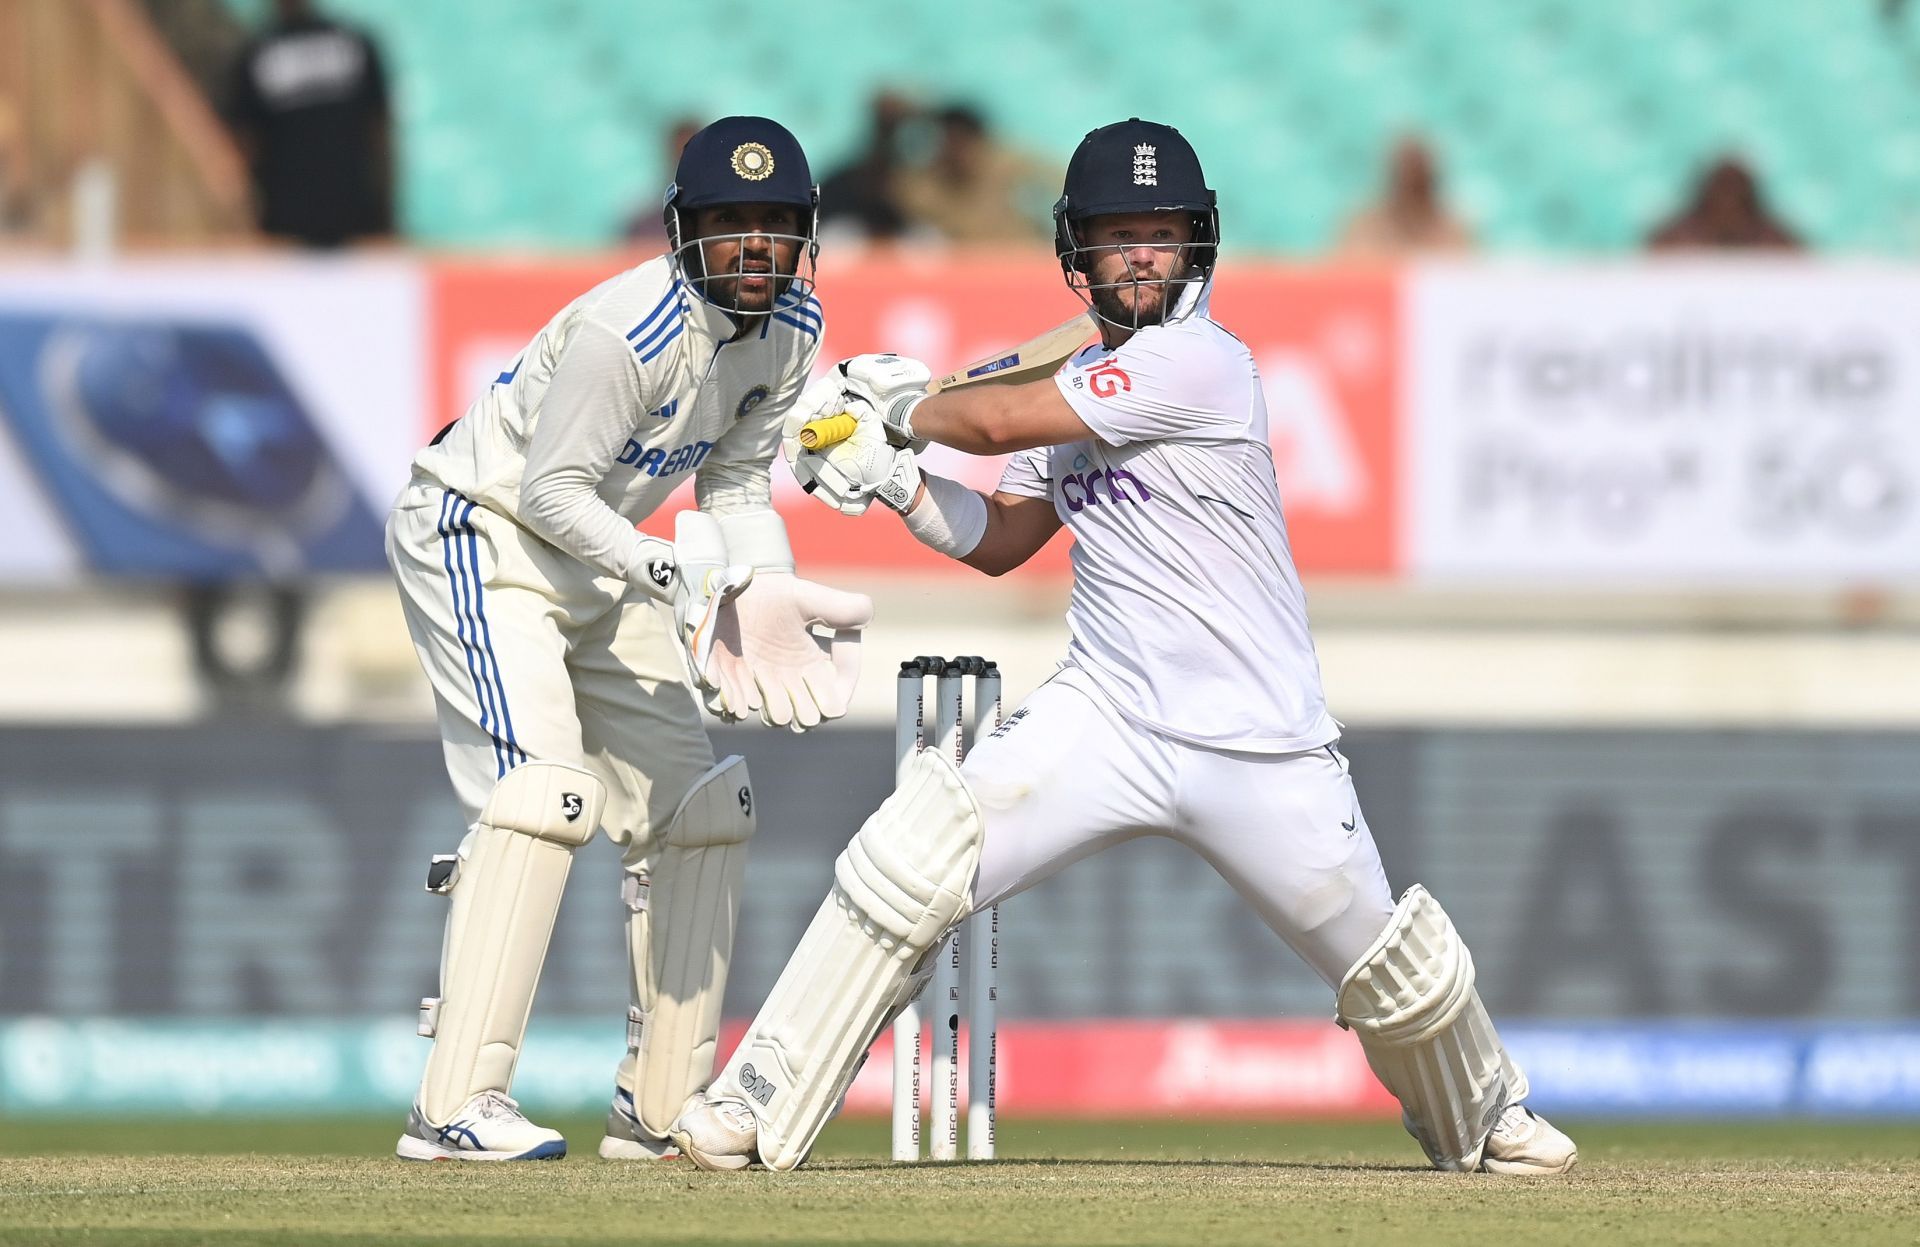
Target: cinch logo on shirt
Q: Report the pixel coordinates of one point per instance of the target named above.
(1081, 490)
(657, 462)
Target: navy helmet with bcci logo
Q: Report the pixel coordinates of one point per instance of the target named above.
(1134, 166)
(742, 160)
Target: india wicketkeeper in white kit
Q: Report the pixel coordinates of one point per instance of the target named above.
(1189, 704)
(560, 641)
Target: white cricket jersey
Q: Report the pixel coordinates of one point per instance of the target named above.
(1186, 609)
(653, 387)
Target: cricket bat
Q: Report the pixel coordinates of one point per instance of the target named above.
(1036, 357)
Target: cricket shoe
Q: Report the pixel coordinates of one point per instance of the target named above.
(717, 1134)
(1523, 1142)
(626, 1138)
(488, 1127)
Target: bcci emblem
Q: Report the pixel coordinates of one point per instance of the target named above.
(753, 162)
(748, 401)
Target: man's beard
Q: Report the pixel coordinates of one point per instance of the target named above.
(1111, 305)
(725, 291)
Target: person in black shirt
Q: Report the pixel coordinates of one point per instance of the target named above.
(310, 111)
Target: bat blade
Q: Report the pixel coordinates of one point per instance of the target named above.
(1036, 357)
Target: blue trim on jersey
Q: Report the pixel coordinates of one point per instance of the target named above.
(648, 355)
(811, 330)
(510, 373)
(667, 326)
(476, 634)
(807, 309)
(670, 297)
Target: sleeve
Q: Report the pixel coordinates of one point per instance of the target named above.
(1027, 474)
(591, 406)
(734, 477)
(1162, 384)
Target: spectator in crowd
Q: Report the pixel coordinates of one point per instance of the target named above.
(647, 227)
(1409, 218)
(310, 110)
(975, 190)
(18, 218)
(860, 197)
(1727, 211)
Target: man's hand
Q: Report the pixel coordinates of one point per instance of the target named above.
(892, 385)
(850, 474)
(768, 658)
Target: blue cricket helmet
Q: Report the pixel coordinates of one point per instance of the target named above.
(742, 160)
(739, 160)
(1135, 166)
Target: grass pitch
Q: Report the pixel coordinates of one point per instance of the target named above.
(1215, 1184)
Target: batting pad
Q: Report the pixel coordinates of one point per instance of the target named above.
(898, 887)
(504, 902)
(680, 972)
(1412, 1002)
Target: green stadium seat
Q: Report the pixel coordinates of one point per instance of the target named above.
(1564, 124)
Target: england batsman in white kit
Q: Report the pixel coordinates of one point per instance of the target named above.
(561, 642)
(1189, 704)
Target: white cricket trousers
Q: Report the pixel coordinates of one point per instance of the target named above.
(1066, 775)
(534, 658)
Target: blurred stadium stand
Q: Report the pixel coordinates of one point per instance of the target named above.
(1564, 126)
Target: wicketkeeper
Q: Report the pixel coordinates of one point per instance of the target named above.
(564, 646)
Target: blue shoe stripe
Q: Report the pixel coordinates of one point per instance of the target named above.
(553, 1149)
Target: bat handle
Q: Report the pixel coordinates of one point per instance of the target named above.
(828, 431)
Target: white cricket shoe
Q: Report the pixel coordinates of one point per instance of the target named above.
(626, 1138)
(490, 1126)
(717, 1134)
(1523, 1142)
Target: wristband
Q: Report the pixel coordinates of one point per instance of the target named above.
(950, 518)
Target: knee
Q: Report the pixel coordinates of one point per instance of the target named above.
(910, 868)
(548, 801)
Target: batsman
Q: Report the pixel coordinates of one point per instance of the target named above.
(565, 648)
(1189, 703)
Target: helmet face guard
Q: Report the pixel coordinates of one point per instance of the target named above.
(1136, 166)
(1179, 291)
(743, 160)
(688, 253)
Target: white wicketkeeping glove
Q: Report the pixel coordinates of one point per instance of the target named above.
(768, 658)
(705, 584)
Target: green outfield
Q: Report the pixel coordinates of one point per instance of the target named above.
(332, 1181)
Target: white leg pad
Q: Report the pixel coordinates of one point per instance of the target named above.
(504, 903)
(1411, 1000)
(898, 887)
(693, 903)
